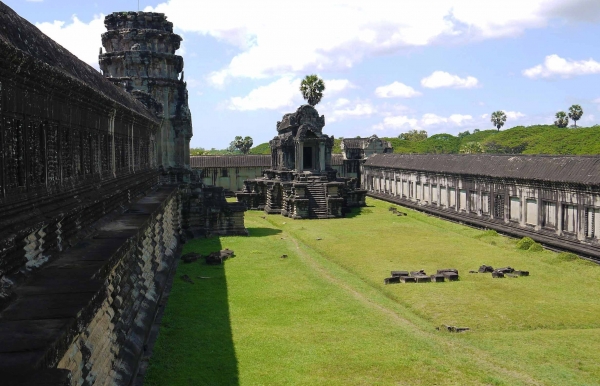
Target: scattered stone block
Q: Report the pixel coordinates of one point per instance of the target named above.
(497, 274)
(450, 276)
(399, 273)
(521, 273)
(454, 328)
(505, 270)
(438, 278)
(511, 275)
(407, 279)
(423, 279)
(486, 268)
(418, 273)
(392, 280)
(284, 256)
(448, 270)
(473, 272)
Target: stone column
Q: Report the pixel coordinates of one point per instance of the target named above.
(321, 156)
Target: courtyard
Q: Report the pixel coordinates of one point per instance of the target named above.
(322, 315)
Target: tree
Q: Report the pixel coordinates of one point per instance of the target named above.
(472, 148)
(561, 119)
(498, 119)
(414, 135)
(575, 112)
(242, 144)
(312, 88)
(463, 134)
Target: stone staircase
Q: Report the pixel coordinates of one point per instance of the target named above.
(317, 201)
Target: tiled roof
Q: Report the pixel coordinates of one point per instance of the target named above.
(337, 159)
(360, 143)
(230, 161)
(571, 169)
(354, 143)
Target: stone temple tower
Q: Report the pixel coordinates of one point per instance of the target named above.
(140, 57)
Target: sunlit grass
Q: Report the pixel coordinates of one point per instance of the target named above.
(323, 315)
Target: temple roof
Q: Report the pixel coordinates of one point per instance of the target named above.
(361, 143)
(238, 161)
(229, 161)
(568, 169)
(22, 36)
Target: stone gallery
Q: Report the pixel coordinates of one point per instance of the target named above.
(552, 199)
(96, 197)
(301, 182)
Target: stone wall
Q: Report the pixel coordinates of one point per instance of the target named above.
(556, 213)
(108, 349)
(88, 236)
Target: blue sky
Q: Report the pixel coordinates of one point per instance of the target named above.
(389, 66)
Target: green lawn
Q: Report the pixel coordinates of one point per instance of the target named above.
(322, 316)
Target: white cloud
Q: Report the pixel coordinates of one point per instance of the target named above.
(514, 114)
(397, 122)
(555, 66)
(342, 33)
(426, 120)
(396, 90)
(484, 116)
(283, 92)
(359, 110)
(82, 39)
(443, 79)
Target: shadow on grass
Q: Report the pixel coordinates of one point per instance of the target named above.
(195, 344)
(262, 232)
(354, 212)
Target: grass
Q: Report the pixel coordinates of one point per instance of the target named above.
(323, 315)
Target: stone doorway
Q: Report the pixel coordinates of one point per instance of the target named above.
(307, 158)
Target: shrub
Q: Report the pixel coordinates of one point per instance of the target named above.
(536, 247)
(489, 232)
(567, 256)
(525, 243)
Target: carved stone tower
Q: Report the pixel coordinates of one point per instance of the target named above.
(140, 57)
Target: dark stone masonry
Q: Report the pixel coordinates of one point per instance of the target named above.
(96, 197)
(301, 182)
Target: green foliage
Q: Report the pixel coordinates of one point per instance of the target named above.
(562, 120)
(537, 139)
(525, 243)
(575, 113)
(536, 247)
(472, 148)
(463, 134)
(567, 256)
(263, 148)
(414, 135)
(312, 88)
(337, 149)
(487, 233)
(498, 119)
(197, 151)
(241, 144)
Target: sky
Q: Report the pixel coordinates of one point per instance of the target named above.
(389, 66)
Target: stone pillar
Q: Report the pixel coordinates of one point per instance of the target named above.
(321, 156)
(559, 217)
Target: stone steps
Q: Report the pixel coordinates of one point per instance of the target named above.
(317, 204)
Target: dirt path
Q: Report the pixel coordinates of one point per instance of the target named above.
(481, 358)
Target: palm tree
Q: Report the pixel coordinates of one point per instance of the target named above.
(575, 112)
(498, 119)
(312, 88)
(561, 119)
